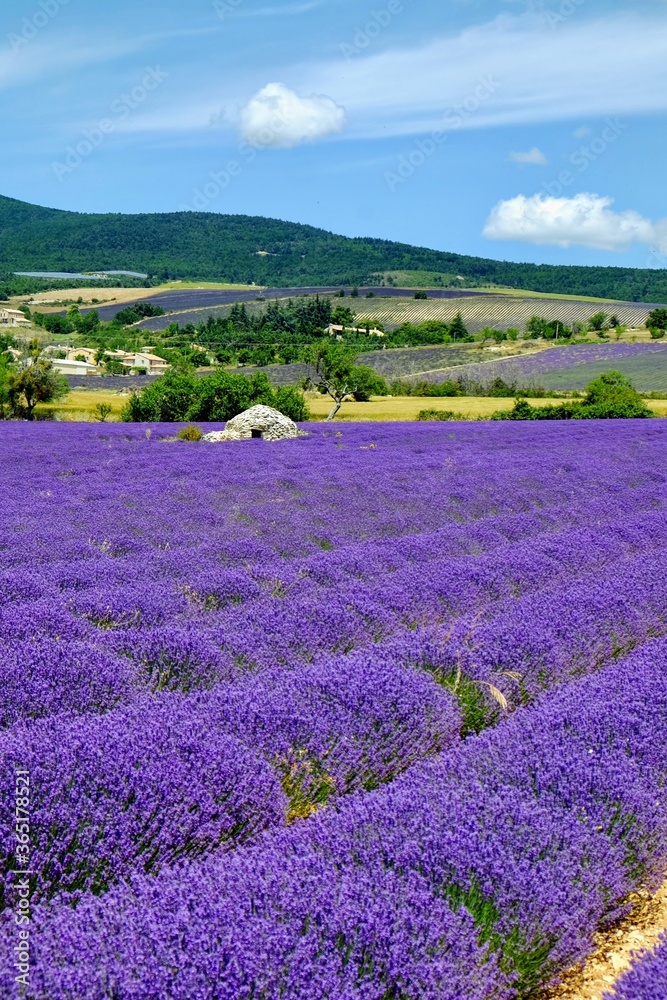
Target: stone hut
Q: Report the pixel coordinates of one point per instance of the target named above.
(257, 422)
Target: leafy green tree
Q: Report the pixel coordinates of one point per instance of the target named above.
(343, 316)
(537, 327)
(657, 319)
(368, 383)
(457, 329)
(611, 396)
(102, 411)
(334, 373)
(598, 321)
(34, 383)
(181, 396)
(166, 400)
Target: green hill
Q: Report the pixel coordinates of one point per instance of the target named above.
(241, 248)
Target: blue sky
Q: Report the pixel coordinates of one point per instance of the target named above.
(522, 130)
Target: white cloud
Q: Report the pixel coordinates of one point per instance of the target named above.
(560, 75)
(582, 132)
(584, 220)
(534, 156)
(277, 118)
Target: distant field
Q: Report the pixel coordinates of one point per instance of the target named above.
(401, 408)
(498, 310)
(648, 373)
(428, 280)
(79, 406)
(574, 366)
(123, 296)
(478, 309)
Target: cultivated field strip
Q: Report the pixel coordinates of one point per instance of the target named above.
(201, 657)
(647, 371)
(497, 311)
(569, 367)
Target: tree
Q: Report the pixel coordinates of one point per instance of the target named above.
(611, 396)
(368, 383)
(181, 396)
(36, 382)
(458, 330)
(598, 321)
(657, 319)
(335, 374)
(536, 327)
(343, 316)
(102, 411)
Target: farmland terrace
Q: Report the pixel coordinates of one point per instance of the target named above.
(207, 300)
(572, 366)
(392, 307)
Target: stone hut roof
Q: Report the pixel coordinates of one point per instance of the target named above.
(257, 422)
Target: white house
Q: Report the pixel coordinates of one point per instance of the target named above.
(151, 364)
(13, 317)
(333, 328)
(69, 367)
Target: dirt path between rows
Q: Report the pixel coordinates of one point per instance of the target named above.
(616, 951)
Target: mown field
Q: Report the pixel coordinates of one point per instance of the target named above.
(380, 712)
(80, 406)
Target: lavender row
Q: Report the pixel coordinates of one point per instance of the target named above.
(174, 778)
(480, 875)
(519, 619)
(647, 980)
(528, 368)
(356, 721)
(85, 504)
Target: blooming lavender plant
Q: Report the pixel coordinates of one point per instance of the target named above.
(647, 980)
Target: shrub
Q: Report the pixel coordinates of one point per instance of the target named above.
(438, 415)
(609, 397)
(190, 434)
(656, 334)
(180, 396)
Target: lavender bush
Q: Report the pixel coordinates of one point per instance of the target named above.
(647, 980)
(239, 677)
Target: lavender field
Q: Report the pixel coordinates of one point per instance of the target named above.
(376, 714)
(571, 367)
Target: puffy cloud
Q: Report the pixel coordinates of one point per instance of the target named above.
(534, 156)
(277, 118)
(584, 220)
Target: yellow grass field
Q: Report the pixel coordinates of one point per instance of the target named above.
(80, 406)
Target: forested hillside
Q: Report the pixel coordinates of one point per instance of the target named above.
(241, 248)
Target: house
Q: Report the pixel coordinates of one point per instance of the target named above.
(13, 317)
(87, 353)
(333, 328)
(150, 363)
(70, 367)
